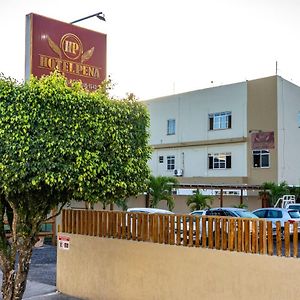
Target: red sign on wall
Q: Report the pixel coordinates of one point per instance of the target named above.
(79, 53)
(64, 242)
(262, 140)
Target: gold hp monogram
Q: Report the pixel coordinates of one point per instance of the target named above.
(71, 46)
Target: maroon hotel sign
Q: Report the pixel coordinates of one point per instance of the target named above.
(80, 54)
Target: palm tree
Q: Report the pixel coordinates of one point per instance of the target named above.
(241, 205)
(198, 201)
(122, 203)
(160, 188)
(275, 191)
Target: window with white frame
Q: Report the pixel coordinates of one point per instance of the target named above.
(171, 162)
(171, 127)
(220, 120)
(161, 159)
(219, 160)
(261, 158)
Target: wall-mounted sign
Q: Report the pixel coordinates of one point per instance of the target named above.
(63, 242)
(79, 53)
(262, 140)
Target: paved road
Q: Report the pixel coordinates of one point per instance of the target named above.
(43, 265)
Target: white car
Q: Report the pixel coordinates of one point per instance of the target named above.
(283, 215)
(148, 210)
(199, 212)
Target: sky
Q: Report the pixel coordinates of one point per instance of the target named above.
(162, 47)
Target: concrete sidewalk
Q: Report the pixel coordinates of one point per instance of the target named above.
(36, 290)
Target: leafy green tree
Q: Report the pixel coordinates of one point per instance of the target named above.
(275, 191)
(160, 189)
(57, 143)
(199, 201)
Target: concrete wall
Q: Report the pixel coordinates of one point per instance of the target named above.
(262, 116)
(102, 268)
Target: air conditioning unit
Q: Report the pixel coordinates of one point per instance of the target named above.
(178, 172)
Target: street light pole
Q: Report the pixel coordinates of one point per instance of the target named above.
(99, 15)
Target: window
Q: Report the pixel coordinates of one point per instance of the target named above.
(221, 120)
(294, 214)
(261, 158)
(171, 162)
(261, 213)
(274, 214)
(161, 159)
(219, 161)
(171, 127)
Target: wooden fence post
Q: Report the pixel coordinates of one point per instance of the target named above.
(184, 230)
(270, 237)
(197, 240)
(203, 233)
(240, 235)
(218, 233)
(210, 233)
(178, 230)
(278, 239)
(287, 249)
(295, 239)
(172, 230)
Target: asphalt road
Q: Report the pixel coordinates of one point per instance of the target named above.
(43, 265)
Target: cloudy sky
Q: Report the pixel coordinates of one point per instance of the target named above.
(161, 47)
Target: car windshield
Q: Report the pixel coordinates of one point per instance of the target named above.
(294, 214)
(245, 214)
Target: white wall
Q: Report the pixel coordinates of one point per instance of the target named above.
(194, 161)
(191, 113)
(288, 106)
(191, 110)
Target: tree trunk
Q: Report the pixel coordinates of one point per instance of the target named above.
(8, 283)
(147, 200)
(14, 281)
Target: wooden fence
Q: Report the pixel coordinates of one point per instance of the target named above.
(234, 234)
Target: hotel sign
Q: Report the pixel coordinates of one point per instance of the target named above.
(78, 53)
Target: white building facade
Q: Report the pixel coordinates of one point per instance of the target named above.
(242, 133)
